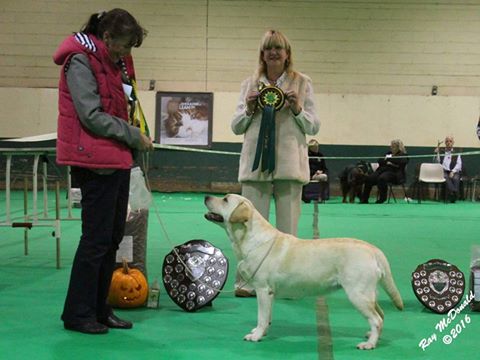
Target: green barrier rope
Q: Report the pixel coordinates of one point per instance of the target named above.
(183, 148)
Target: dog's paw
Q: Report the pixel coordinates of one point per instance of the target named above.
(254, 335)
(366, 346)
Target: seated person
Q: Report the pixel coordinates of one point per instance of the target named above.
(391, 169)
(318, 188)
(452, 167)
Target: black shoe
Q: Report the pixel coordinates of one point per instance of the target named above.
(363, 202)
(91, 327)
(379, 201)
(116, 323)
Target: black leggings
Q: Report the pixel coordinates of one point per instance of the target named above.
(104, 210)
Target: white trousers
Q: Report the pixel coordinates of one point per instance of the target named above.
(288, 198)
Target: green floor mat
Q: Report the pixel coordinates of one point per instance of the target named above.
(32, 291)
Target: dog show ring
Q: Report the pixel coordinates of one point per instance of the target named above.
(438, 285)
(194, 273)
(271, 96)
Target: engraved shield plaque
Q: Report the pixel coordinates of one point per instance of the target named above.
(194, 273)
(438, 285)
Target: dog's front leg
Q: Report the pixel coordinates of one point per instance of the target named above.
(351, 194)
(264, 303)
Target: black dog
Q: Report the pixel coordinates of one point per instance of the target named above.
(352, 179)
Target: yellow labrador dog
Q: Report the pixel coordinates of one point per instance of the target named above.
(278, 264)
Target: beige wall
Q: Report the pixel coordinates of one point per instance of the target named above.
(373, 63)
(346, 119)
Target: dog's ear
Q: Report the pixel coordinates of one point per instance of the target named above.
(241, 214)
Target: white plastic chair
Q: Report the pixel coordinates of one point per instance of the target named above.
(430, 173)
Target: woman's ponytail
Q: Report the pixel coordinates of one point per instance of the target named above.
(118, 22)
(93, 24)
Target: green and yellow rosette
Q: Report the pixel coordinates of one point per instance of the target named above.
(136, 112)
(270, 99)
(270, 95)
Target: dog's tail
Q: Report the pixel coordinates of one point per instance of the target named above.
(387, 281)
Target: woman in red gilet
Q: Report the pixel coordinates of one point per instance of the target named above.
(97, 139)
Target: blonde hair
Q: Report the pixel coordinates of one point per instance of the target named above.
(399, 144)
(274, 38)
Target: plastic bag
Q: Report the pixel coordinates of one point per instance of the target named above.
(133, 247)
(140, 197)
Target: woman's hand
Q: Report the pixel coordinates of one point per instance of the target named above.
(292, 98)
(146, 143)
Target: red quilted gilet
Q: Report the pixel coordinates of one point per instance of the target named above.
(77, 146)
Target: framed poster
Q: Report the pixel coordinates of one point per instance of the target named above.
(184, 119)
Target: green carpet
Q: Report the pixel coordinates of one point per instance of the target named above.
(32, 291)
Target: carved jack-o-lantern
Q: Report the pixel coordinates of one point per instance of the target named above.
(128, 289)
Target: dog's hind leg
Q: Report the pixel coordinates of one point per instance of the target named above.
(379, 310)
(366, 303)
(264, 317)
(344, 188)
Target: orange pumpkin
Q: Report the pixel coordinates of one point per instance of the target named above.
(128, 289)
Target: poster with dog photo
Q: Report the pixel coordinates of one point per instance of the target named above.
(184, 119)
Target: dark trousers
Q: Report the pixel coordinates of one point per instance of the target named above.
(381, 179)
(104, 210)
(452, 183)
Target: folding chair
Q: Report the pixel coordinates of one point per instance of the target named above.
(430, 173)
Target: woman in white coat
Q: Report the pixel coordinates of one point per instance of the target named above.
(287, 170)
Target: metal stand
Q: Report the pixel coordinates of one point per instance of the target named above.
(33, 220)
(474, 187)
(316, 231)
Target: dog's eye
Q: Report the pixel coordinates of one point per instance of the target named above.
(225, 199)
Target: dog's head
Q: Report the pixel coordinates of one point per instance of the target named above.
(231, 208)
(357, 176)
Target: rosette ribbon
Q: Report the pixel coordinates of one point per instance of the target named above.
(136, 112)
(270, 99)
